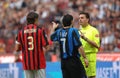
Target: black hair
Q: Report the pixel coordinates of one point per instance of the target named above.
(86, 15)
(67, 20)
(31, 17)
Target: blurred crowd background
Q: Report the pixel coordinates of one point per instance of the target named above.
(105, 16)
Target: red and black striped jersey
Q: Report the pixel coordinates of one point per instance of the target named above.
(32, 39)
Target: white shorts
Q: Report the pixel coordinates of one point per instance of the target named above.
(35, 73)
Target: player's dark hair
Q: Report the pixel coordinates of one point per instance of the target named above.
(31, 17)
(86, 14)
(67, 20)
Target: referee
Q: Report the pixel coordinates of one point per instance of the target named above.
(91, 42)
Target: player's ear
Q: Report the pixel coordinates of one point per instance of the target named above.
(88, 20)
(36, 21)
(72, 22)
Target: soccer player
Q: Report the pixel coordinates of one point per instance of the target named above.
(31, 40)
(70, 46)
(90, 41)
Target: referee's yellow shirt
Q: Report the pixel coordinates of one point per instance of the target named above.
(92, 34)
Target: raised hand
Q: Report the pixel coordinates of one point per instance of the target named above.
(55, 25)
(83, 36)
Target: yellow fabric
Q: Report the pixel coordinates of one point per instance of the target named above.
(92, 34)
(91, 69)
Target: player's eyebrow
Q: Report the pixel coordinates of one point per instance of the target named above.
(81, 17)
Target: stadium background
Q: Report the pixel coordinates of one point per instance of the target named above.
(105, 16)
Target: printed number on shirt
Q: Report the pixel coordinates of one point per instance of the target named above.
(64, 41)
(30, 43)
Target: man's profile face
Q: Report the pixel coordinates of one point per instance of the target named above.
(83, 20)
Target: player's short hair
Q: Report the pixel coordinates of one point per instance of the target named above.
(31, 17)
(67, 20)
(86, 14)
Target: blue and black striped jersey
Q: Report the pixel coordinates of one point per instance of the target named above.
(69, 40)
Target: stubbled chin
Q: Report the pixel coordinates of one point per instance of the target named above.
(80, 23)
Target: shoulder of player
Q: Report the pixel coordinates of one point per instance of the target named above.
(57, 30)
(41, 28)
(92, 28)
(74, 29)
(94, 31)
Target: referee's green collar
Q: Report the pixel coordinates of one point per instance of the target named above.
(86, 27)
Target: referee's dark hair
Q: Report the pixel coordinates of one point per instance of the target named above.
(67, 20)
(86, 14)
(31, 17)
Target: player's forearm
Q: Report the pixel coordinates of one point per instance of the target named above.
(52, 30)
(47, 48)
(91, 42)
(17, 48)
(81, 50)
